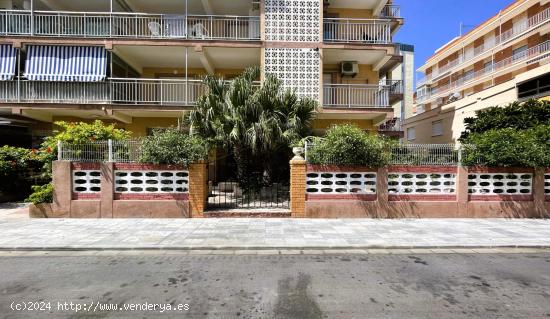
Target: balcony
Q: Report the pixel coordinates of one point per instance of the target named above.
(460, 62)
(156, 92)
(533, 55)
(129, 25)
(391, 11)
(392, 128)
(360, 31)
(362, 95)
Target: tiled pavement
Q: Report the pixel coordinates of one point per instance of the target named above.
(270, 233)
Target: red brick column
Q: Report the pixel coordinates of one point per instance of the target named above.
(462, 191)
(538, 193)
(107, 189)
(382, 186)
(62, 182)
(298, 170)
(198, 189)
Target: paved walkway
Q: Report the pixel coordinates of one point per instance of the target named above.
(271, 233)
(14, 211)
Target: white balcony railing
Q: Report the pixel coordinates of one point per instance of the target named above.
(112, 91)
(356, 95)
(369, 31)
(535, 54)
(129, 25)
(532, 23)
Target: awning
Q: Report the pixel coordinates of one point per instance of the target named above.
(7, 62)
(62, 63)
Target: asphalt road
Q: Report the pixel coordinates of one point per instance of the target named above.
(278, 286)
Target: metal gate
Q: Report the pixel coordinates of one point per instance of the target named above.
(224, 192)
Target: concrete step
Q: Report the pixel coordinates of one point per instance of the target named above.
(248, 213)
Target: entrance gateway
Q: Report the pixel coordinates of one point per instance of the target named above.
(258, 196)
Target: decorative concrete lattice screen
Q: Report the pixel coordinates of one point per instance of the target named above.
(293, 20)
(341, 183)
(547, 184)
(148, 182)
(422, 183)
(298, 69)
(86, 181)
(500, 184)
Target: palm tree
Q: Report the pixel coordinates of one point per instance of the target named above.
(255, 121)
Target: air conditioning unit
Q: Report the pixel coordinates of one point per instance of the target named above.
(349, 68)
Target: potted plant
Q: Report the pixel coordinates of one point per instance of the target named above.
(41, 201)
(298, 149)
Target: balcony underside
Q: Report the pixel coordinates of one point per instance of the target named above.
(377, 114)
(128, 42)
(108, 112)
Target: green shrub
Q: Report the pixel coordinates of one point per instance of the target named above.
(41, 194)
(172, 146)
(78, 133)
(518, 116)
(349, 145)
(17, 165)
(509, 147)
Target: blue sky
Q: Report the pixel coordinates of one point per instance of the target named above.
(429, 24)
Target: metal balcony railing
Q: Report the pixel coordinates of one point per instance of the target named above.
(393, 125)
(532, 55)
(391, 11)
(395, 86)
(356, 95)
(129, 25)
(111, 91)
(368, 31)
(532, 23)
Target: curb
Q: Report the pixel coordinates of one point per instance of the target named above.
(262, 248)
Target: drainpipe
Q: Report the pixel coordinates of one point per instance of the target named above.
(32, 17)
(186, 75)
(111, 20)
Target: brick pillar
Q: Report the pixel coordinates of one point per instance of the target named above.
(198, 188)
(107, 189)
(538, 193)
(462, 191)
(62, 182)
(382, 203)
(298, 188)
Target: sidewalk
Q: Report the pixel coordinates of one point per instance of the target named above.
(53, 234)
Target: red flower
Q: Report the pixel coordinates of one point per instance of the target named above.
(49, 150)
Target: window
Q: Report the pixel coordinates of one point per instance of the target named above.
(488, 67)
(537, 87)
(411, 134)
(519, 53)
(468, 75)
(437, 128)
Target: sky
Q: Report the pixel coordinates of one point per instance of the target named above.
(430, 24)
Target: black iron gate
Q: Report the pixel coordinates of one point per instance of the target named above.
(225, 192)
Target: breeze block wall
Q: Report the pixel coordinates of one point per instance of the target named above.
(425, 192)
(128, 190)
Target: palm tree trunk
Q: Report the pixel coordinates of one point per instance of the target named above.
(242, 159)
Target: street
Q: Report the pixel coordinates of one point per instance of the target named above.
(231, 284)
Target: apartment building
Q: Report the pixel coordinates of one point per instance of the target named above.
(502, 60)
(139, 63)
(402, 109)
